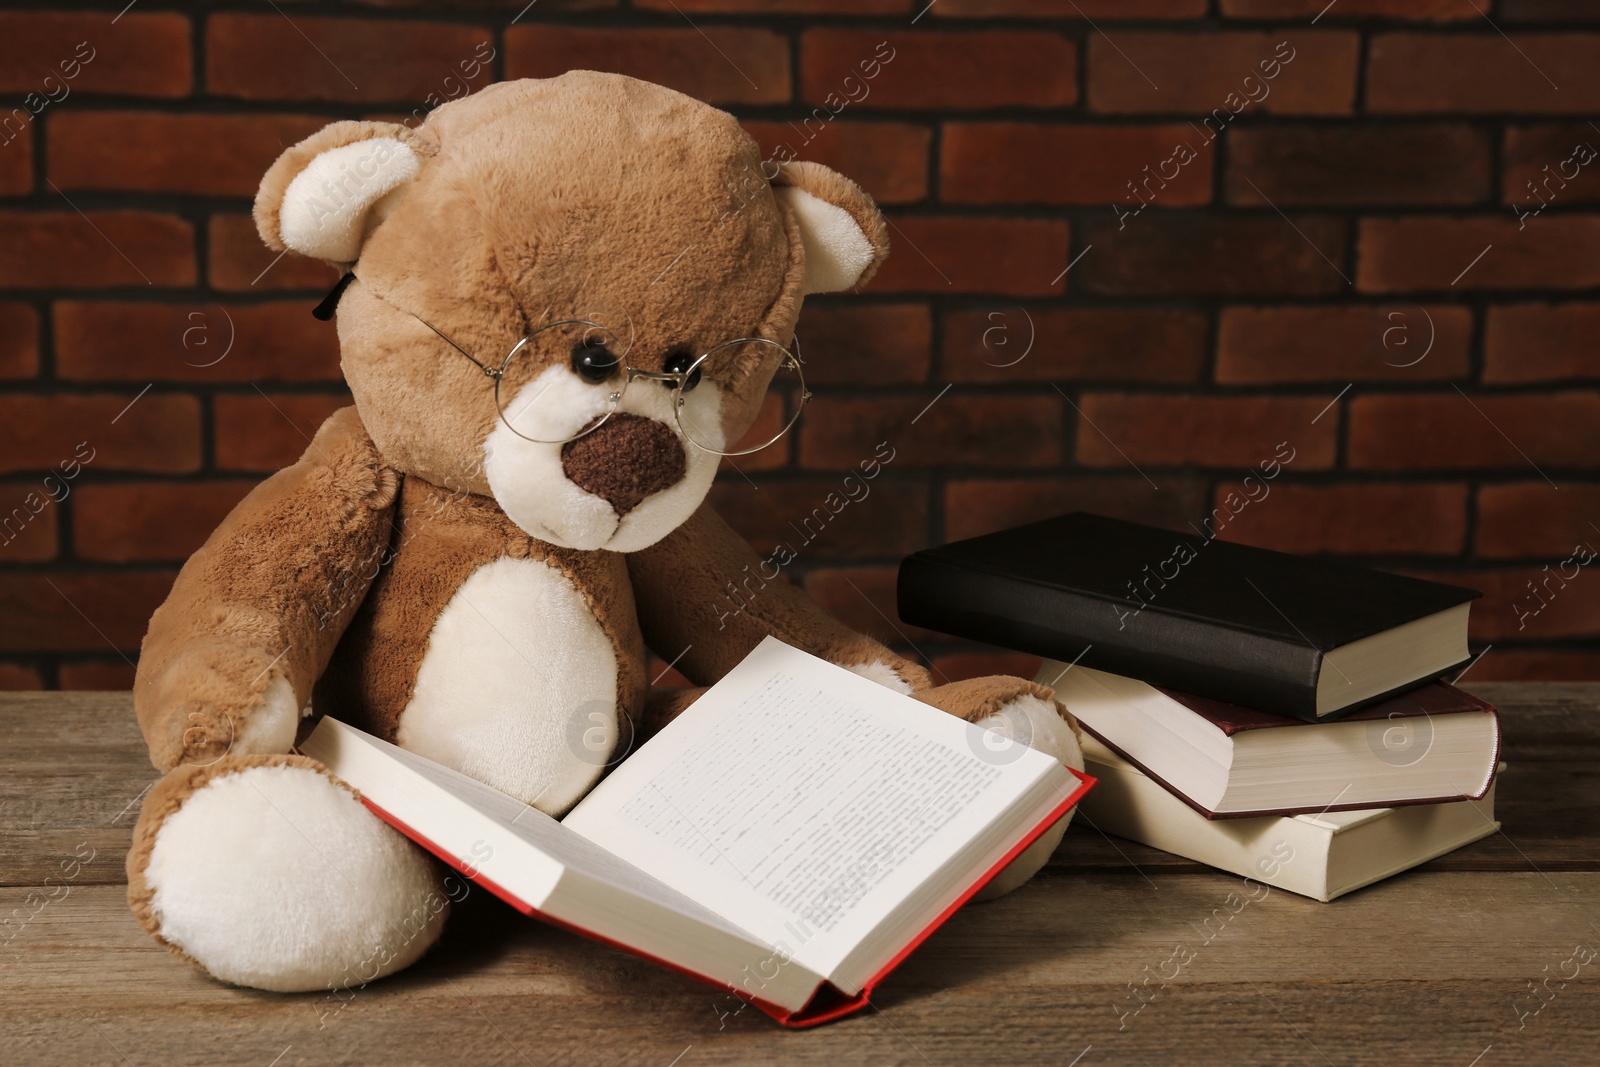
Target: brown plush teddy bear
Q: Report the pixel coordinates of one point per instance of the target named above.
(569, 299)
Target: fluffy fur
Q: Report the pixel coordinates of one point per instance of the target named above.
(428, 575)
(528, 479)
(837, 251)
(317, 894)
(329, 207)
(518, 671)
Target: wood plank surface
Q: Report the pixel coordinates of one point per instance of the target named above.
(1426, 969)
(1115, 954)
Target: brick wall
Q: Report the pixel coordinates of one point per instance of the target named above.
(1136, 258)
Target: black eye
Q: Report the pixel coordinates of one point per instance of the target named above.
(680, 360)
(593, 362)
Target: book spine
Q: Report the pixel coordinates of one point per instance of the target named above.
(1140, 641)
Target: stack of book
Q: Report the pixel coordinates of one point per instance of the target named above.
(1279, 717)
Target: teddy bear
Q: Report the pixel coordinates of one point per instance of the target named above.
(564, 301)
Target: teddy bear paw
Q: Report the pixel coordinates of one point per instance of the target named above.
(271, 874)
(1036, 723)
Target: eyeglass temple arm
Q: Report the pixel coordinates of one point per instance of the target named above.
(350, 276)
(488, 371)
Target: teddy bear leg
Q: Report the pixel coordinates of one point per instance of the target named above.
(266, 871)
(1026, 712)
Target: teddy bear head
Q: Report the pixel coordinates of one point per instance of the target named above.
(572, 294)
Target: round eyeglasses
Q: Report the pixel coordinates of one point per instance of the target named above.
(562, 404)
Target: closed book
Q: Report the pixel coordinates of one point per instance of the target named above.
(790, 838)
(1321, 855)
(1432, 743)
(1285, 634)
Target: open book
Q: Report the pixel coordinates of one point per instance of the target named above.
(791, 837)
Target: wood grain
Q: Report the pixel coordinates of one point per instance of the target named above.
(1425, 969)
(1429, 967)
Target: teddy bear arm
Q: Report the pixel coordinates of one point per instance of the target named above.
(231, 655)
(705, 596)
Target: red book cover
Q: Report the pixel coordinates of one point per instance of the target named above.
(829, 1003)
(1435, 698)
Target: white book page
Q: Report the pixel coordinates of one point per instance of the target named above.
(804, 802)
(517, 847)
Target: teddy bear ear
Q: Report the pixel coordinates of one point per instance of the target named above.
(844, 234)
(323, 196)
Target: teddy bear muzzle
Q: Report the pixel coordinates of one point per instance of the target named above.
(625, 460)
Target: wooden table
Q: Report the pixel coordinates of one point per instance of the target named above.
(1433, 966)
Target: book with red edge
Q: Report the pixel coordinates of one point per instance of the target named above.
(1431, 744)
(790, 838)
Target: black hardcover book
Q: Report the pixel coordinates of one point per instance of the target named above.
(1265, 630)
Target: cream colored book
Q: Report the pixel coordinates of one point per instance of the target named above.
(1320, 856)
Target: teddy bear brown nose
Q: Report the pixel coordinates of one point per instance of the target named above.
(624, 460)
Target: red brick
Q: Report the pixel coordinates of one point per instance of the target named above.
(1541, 343)
(263, 432)
(1410, 10)
(1009, 344)
(1021, 257)
(1548, 10)
(1532, 520)
(1518, 665)
(1409, 519)
(887, 159)
(19, 341)
(1205, 73)
(857, 344)
(937, 71)
(280, 341)
(268, 57)
(1510, 610)
(954, 430)
(863, 598)
(1343, 343)
(28, 523)
(1448, 432)
(78, 612)
(1541, 167)
(16, 158)
(239, 263)
(514, 8)
(160, 152)
(50, 249)
(14, 677)
(1116, 429)
(1420, 73)
(158, 432)
(107, 675)
(975, 507)
(718, 64)
(959, 666)
(1071, 9)
(1034, 163)
(1432, 164)
(889, 521)
(1207, 254)
(775, 7)
(1437, 253)
(130, 522)
(144, 54)
(769, 421)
